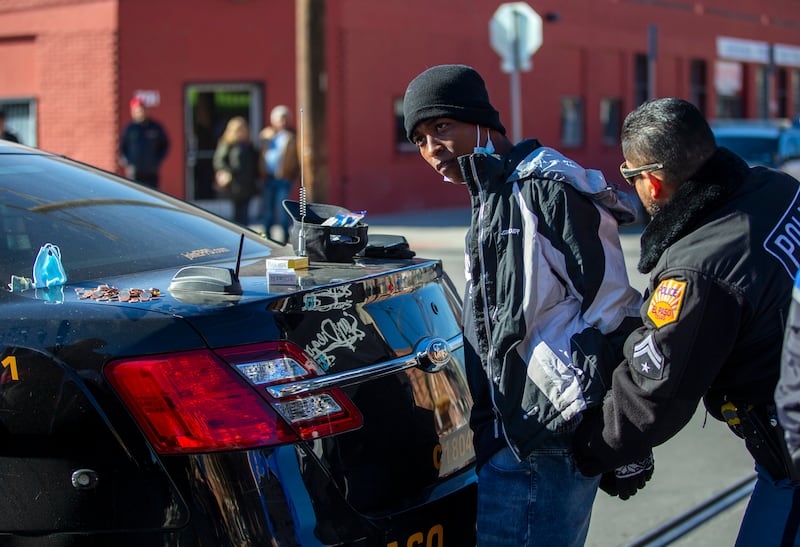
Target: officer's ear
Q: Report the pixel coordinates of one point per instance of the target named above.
(655, 185)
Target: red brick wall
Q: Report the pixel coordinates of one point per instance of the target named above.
(376, 48)
(165, 45)
(70, 69)
(77, 110)
(83, 59)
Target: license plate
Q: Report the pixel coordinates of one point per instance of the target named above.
(448, 522)
(454, 451)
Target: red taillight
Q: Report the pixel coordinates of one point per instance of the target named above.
(314, 414)
(196, 402)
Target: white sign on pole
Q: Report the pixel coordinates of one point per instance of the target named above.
(515, 33)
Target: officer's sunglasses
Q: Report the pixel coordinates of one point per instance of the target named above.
(630, 174)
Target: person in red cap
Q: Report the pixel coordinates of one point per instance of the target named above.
(143, 146)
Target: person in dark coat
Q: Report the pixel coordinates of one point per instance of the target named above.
(143, 146)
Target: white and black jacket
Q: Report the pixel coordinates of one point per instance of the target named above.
(548, 300)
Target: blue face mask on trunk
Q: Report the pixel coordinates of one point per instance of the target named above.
(47, 269)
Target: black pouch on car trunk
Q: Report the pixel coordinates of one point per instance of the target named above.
(388, 246)
(325, 243)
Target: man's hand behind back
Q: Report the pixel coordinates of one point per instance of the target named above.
(626, 480)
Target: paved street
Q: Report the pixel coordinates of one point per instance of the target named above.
(701, 461)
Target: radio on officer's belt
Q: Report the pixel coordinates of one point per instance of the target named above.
(729, 412)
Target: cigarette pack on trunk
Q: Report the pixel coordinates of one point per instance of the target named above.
(287, 262)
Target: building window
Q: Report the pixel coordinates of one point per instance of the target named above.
(762, 91)
(698, 84)
(728, 78)
(611, 119)
(572, 121)
(795, 93)
(782, 92)
(21, 119)
(401, 143)
(640, 79)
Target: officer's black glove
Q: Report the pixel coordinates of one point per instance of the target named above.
(626, 480)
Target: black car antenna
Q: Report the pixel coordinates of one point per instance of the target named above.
(239, 257)
(301, 236)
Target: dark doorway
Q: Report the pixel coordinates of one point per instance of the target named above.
(208, 107)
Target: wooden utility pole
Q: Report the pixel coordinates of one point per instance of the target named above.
(311, 93)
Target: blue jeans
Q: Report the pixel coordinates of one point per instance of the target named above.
(275, 191)
(543, 500)
(772, 516)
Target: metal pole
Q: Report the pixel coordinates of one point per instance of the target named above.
(652, 55)
(769, 75)
(516, 107)
(516, 94)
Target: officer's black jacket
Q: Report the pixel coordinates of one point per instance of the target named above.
(722, 254)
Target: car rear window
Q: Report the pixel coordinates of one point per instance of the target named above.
(104, 225)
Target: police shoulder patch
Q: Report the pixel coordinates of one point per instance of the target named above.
(647, 360)
(665, 304)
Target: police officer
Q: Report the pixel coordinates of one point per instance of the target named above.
(721, 251)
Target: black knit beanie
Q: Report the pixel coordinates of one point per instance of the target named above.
(449, 91)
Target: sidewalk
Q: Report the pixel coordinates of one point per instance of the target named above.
(439, 230)
(455, 217)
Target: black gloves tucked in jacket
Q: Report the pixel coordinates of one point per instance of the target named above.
(626, 480)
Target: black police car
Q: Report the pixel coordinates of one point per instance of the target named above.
(167, 394)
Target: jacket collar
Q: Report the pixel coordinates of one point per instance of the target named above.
(483, 171)
(692, 202)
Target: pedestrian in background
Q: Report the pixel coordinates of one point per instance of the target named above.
(546, 308)
(721, 275)
(237, 167)
(4, 132)
(143, 146)
(282, 167)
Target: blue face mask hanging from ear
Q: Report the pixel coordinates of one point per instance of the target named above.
(489, 148)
